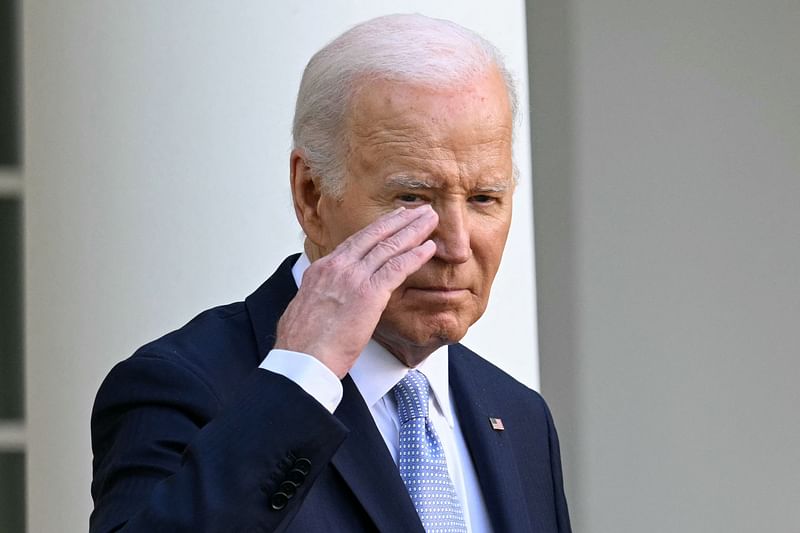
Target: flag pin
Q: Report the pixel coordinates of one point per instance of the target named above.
(497, 423)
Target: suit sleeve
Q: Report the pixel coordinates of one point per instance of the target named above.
(562, 512)
(168, 456)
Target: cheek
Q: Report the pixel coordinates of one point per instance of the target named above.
(339, 221)
(356, 211)
(488, 244)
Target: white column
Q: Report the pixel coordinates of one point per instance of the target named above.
(156, 148)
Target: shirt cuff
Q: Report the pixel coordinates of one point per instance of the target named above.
(309, 373)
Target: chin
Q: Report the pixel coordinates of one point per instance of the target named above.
(425, 332)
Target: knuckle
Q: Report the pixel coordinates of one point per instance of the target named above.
(395, 265)
(388, 246)
(315, 270)
(336, 273)
(363, 290)
(375, 230)
(329, 263)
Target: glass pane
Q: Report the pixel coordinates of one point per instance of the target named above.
(12, 492)
(10, 310)
(9, 85)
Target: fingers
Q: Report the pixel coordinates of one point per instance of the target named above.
(396, 269)
(403, 240)
(362, 242)
(393, 247)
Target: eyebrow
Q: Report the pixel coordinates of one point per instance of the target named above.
(495, 187)
(408, 182)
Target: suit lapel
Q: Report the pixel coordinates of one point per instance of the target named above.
(267, 304)
(368, 469)
(490, 450)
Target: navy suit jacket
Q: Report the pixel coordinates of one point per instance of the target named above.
(189, 435)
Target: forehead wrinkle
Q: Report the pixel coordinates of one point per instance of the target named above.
(408, 126)
(410, 142)
(425, 149)
(422, 140)
(391, 134)
(443, 167)
(409, 146)
(401, 132)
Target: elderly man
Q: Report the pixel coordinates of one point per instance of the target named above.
(336, 397)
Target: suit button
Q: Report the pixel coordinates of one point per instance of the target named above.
(279, 500)
(303, 464)
(288, 488)
(296, 476)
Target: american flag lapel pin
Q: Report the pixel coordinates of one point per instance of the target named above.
(497, 423)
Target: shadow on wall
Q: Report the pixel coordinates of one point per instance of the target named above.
(550, 59)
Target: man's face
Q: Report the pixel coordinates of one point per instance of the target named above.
(450, 148)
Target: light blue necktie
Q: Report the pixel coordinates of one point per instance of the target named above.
(421, 460)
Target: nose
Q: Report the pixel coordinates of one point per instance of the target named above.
(452, 236)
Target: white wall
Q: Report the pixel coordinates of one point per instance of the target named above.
(156, 150)
(667, 183)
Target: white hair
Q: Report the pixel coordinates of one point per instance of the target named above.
(403, 48)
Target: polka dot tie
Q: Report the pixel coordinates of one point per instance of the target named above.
(421, 460)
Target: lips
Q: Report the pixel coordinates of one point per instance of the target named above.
(437, 288)
(441, 282)
(438, 294)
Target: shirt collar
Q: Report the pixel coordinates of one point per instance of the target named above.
(299, 268)
(376, 370)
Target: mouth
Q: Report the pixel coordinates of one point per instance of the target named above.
(440, 288)
(439, 293)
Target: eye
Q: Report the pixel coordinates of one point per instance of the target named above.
(482, 199)
(410, 198)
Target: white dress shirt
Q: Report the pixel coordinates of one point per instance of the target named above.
(374, 373)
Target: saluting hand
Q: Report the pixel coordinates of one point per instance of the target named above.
(344, 293)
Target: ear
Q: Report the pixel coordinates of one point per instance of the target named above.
(306, 196)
